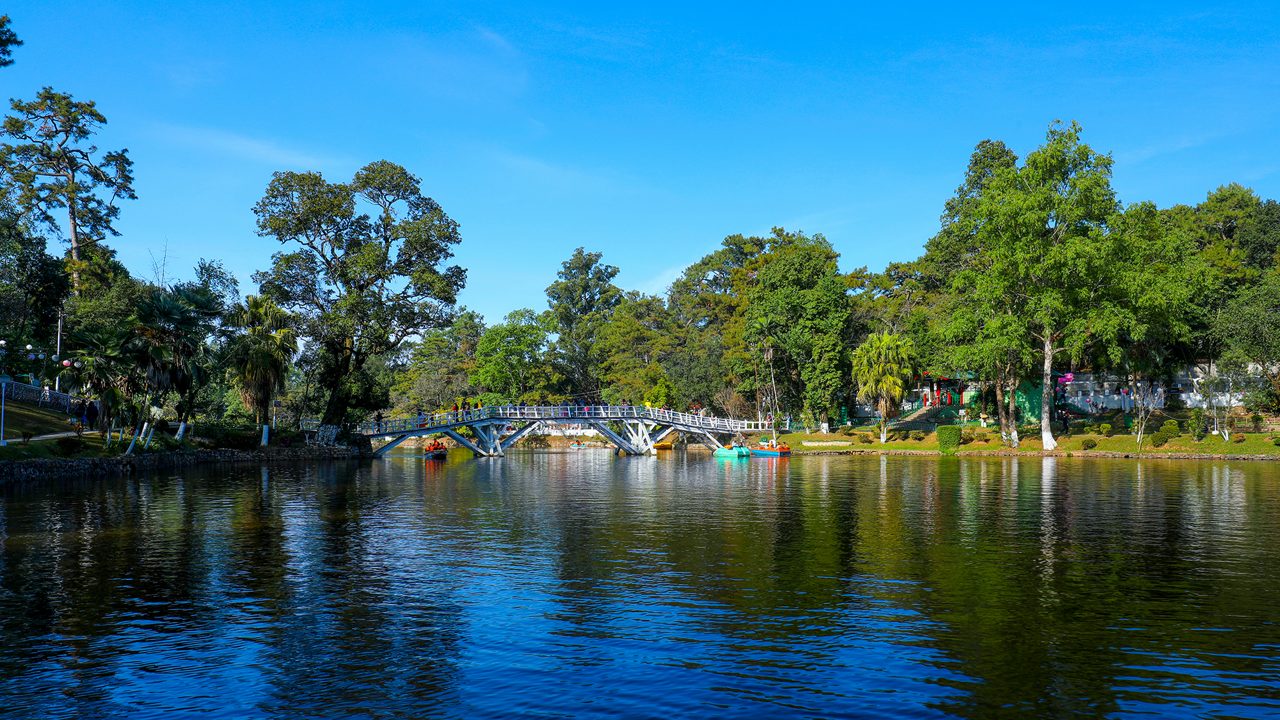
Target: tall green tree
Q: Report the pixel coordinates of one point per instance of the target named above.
(510, 358)
(581, 300)
(8, 41)
(1046, 256)
(798, 305)
(32, 286)
(56, 176)
(883, 366)
(633, 346)
(440, 366)
(365, 271)
(259, 349)
(1250, 331)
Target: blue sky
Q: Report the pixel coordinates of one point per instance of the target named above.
(648, 131)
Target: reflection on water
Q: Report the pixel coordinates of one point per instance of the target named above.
(580, 584)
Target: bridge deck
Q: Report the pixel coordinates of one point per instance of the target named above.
(439, 422)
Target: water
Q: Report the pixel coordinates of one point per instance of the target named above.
(583, 585)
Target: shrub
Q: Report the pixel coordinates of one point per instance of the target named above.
(865, 438)
(916, 435)
(1105, 429)
(848, 431)
(1090, 429)
(67, 446)
(1170, 428)
(1159, 438)
(1276, 441)
(949, 437)
(981, 436)
(1238, 438)
(1256, 421)
(1089, 443)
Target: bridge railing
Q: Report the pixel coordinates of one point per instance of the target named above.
(398, 426)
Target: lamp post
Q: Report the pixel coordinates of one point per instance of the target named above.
(4, 387)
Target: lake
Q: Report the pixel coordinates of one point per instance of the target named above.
(580, 584)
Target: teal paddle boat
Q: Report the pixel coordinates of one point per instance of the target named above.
(733, 451)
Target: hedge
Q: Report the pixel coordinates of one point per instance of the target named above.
(949, 438)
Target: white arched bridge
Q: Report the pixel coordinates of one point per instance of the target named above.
(634, 430)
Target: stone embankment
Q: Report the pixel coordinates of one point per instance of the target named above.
(12, 471)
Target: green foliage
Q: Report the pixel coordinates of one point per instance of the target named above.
(510, 357)
(1276, 441)
(1159, 438)
(917, 435)
(581, 300)
(864, 438)
(364, 273)
(882, 367)
(8, 41)
(1198, 424)
(68, 446)
(1256, 421)
(1088, 443)
(1238, 438)
(949, 438)
(1105, 429)
(260, 346)
(1170, 428)
(54, 174)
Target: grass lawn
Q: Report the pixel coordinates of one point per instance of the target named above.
(1254, 444)
(20, 417)
(89, 446)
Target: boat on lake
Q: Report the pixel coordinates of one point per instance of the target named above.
(770, 448)
(733, 451)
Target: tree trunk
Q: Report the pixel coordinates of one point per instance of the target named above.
(1046, 395)
(1012, 396)
(1002, 415)
(335, 410)
(73, 235)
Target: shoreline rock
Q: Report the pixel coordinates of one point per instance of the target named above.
(15, 471)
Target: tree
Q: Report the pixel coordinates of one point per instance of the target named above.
(633, 346)
(363, 282)
(1250, 331)
(52, 169)
(797, 303)
(259, 350)
(1045, 256)
(581, 300)
(32, 286)
(440, 366)
(510, 356)
(8, 41)
(883, 366)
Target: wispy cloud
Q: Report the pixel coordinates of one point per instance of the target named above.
(258, 150)
(659, 283)
(560, 177)
(1168, 147)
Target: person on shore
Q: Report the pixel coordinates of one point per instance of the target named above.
(91, 414)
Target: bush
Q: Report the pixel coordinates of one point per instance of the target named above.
(981, 436)
(1276, 441)
(916, 435)
(67, 446)
(949, 437)
(1105, 429)
(1256, 421)
(1170, 428)
(848, 431)
(1237, 438)
(1089, 443)
(1159, 438)
(865, 438)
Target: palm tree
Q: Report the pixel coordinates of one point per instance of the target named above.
(882, 367)
(259, 352)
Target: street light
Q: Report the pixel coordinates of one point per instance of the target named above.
(4, 386)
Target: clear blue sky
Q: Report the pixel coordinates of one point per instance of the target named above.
(646, 130)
